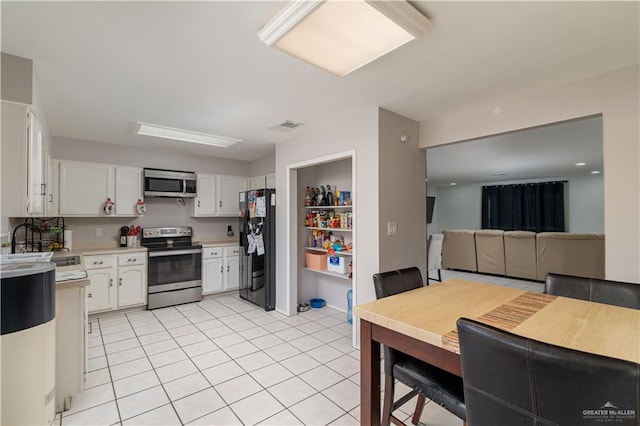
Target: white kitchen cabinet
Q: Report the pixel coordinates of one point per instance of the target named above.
(117, 281)
(129, 189)
(231, 265)
(132, 279)
(23, 178)
(217, 195)
(212, 270)
(51, 207)
(227, 190)
(85, 187)
(220, 269)
(102, 273)
(204, 202)
(263, 181)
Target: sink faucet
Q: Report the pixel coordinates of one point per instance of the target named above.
(26, 226)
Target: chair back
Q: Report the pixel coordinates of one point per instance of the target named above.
(434, 251)
(394, 282)
(512, 380)
(626, 295)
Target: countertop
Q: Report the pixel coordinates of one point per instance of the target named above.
(220, 243)
(88, 251)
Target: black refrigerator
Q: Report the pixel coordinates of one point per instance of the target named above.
(258, 243)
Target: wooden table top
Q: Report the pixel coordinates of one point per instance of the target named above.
(430, 313)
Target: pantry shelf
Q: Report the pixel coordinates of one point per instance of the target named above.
(344, 252)
(333, 274)
(331, 229)
(326, 207)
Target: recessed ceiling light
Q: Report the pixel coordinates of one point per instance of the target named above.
(342, 36)
(595, 172)
(164, 132)
(452, 183)
(581, 164)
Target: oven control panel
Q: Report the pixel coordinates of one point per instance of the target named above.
(183, 231)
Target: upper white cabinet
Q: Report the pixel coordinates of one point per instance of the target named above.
(23, 158)
(263, 181)
(84, 188)
(128, 190)
(217, 195)
(204, 202)
(228, 189)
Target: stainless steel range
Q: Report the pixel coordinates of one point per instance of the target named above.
(175, 266)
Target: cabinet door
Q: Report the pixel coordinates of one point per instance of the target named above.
(232, 272)
(270, 180)
(204, 203)
(257, 182)
(228, 190)
(212, 273)
(102, 292)
(35, 170)
(128, 190)
(85, 187)
(51, 199)
(131, 286)
(13, 181)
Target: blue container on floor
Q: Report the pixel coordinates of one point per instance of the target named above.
(350, 306)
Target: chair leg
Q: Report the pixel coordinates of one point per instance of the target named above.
(388, 399)
(419, 407)
(439, 276)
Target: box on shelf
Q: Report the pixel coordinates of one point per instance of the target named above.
(316, 260)
(337, 264)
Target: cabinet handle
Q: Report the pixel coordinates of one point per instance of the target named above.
(43, 189)
(51, 198)
(221, 269)
(120, 281)
(89, 295)
(90, 324)
(110, 282)
(221, 203)
(198, 203)
(227, 268)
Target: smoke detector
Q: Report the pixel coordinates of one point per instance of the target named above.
(286, 126)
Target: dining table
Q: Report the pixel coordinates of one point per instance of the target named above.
(422, 323)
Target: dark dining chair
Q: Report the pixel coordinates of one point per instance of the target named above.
(618, 293)
(513, 380)
(427, 381)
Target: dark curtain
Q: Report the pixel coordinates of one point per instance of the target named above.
(537, 207)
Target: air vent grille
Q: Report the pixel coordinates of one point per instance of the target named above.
(286, 126)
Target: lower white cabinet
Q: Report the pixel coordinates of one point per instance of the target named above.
(117, 281)
(220, 269)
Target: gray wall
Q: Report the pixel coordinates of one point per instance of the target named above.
(263, 166)
(17, 79)
(459, 206)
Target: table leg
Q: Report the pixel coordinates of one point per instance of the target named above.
(369, 376)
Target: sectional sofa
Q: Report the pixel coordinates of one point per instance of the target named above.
(524, 254)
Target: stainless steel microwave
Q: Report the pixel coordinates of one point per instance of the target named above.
(169, 183)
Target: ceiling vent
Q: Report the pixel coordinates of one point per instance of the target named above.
(287, 126)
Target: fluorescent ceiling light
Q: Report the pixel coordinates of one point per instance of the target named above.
(341, 36)
(148, 129)
(595, 172)
(581, 164)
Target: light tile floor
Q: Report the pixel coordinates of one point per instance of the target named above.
(223, 361)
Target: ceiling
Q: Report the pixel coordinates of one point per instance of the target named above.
(102, 66)
(543, 152)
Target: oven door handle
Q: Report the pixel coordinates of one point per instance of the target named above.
(174, 252)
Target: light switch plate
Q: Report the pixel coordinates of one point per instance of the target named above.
(392, 228)
(98, 232)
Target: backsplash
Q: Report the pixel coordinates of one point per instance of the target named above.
(160, 212)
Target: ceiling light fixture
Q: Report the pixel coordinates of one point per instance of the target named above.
(595, 172)
(581, 164)
(452, 183)
(341, 36)
(148, 129)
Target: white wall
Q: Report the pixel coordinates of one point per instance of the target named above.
(460, 206)
(360, 134)
(401, 193)
(263, 166)
(615, 96)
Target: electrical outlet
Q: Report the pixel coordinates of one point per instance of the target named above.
(98, 232)
(392, 228)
